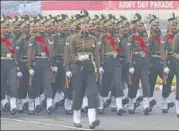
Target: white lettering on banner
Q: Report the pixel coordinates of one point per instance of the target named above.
(127, 4)
(142, 4)
(161, 4)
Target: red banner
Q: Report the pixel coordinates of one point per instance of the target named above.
(110, 5)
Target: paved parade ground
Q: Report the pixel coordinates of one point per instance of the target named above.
(60, 121)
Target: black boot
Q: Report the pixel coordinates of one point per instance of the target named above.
(171, 104)
(57, 104)
(69, 112)
(38, 109)
(147, 111)
(125, 101)
(152, 103)
(107, 103)
(136, 104)
(50, 110)
(101, 111)
(131, 111)
(139, 99)
(21, 110)
(25, 106)
(77, 125)
(13, 111)
(6, 107)
(120, 112)
(31, 112)
(44, 103)
(113, 109)
(94, 124)
(164, 110)
(84, 110)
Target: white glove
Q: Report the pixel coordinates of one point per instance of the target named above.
(131, 70)
(19, 74)
(101, 70)
(69, 74)
(55, 69)
(31, 72)
(166, 70)
(83, 57)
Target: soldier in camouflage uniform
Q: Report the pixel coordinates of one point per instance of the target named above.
(168, 62)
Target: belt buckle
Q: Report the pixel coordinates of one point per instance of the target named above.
(8, 55)
(43, 54)
(142, 54)
(114, 55)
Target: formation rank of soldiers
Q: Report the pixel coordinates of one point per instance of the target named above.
(83, 64)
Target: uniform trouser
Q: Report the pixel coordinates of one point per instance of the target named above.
(83, 83)
(177, 80)
(59, 84)
(112, 77)
(155, 71)
(141, 66)
(60, 79)
(23, 86)
(124, 76)
(42, 79)
(171, 63)
(8, 77)
(125, 72)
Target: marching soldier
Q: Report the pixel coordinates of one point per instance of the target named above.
(168, 62)
(69, 90)
(21, 47)
(110, 45)
(85, 62)
(154, 55)
(5, 102)
(59, 58)
(41, 67)
(10, 71)
(141, 66)
(176, 55)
